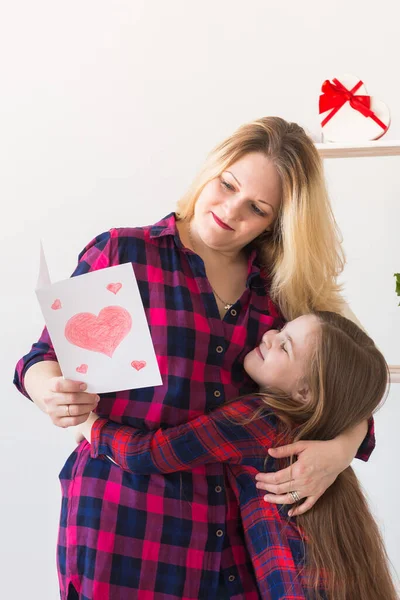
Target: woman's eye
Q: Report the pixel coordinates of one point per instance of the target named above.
(258, 211)
(227, 185)
(283, 347)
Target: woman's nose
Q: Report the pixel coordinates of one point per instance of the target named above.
(232, 209)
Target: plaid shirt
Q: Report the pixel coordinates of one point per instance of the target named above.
(163, 536)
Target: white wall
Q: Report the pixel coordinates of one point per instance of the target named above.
(106, 111)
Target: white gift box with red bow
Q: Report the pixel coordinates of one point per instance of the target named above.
(348, 114)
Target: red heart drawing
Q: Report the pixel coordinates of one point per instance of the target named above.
(99, 334)
(114, 287)
(82, 369)
(138, 364)
(56, 304)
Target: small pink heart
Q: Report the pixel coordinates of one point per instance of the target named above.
(82, 369)
(56, 304)
(114, 287)
(138, 364)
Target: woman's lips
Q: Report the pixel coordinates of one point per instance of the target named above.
(221, 223)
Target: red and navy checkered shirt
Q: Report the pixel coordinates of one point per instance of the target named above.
(165, 536)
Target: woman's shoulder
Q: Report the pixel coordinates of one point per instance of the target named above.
(130, 244)
(146, 233)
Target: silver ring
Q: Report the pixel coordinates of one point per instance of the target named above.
(68, 413)
(295, 496)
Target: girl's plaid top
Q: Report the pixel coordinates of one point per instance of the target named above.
(153, 535)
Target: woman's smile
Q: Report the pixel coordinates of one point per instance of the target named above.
(221, 223)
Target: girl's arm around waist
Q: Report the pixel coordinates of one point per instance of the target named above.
(220, 436)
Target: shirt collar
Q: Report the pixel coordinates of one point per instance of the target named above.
(167, 226)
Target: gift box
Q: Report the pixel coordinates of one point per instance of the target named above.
(349, 114)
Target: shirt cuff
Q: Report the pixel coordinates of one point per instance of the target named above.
(368, 444)
(95, 436)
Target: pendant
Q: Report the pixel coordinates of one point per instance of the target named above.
(228, 306)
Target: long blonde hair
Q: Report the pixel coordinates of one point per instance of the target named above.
(303, 254)
(348, 380)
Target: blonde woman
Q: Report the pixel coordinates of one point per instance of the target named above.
(253, 243)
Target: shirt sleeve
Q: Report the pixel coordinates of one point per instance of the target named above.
(221, 436)
(368, 445)
(100, 253)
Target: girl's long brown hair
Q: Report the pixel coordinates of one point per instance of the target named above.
(348, 381)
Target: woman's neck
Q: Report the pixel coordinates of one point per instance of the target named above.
(224, 258)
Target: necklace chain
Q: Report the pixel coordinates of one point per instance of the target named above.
(227, 305)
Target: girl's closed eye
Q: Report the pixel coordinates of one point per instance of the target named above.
(283, 347)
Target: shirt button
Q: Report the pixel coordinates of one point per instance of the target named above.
(217, 393)
(233, 312)
(231, 578)
(219, 349)
(218, 488)
(219, 533)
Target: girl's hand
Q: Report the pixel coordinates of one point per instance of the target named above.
(67, 403)
(317, 466)
(78, 435)
(83, 431)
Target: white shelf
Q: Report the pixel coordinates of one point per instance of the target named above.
(394, 373)
(341, 150)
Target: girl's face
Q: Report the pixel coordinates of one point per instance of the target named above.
(281, 360)
(236, 207)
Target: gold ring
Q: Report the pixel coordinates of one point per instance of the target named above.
(295, 496)
(67, 407)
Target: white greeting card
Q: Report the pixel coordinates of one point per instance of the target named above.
(99, 329)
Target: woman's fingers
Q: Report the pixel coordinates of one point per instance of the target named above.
(66, 404)
(304, 507)
(288, 450)
(283, 488)
(74, 410)
(69, 415)
(61, 385)
(280, 499)
(288, 499)
(53, 401)
(277, 478)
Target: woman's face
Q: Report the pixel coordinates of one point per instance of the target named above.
(239, 205)
(281, 360)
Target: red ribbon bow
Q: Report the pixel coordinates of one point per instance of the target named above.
(335, 95)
